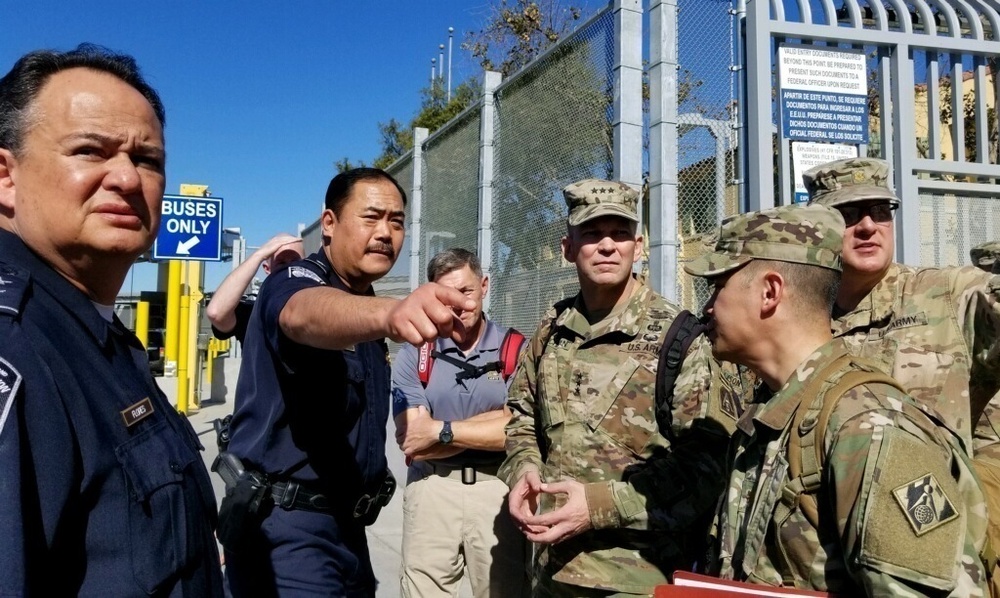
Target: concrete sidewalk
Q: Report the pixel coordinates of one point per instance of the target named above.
(385, 536)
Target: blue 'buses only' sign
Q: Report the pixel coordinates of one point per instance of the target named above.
(190, 229)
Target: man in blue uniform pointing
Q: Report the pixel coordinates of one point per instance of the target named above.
(312, 401)
(103, 490)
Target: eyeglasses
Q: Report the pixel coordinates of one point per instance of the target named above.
(880, 213)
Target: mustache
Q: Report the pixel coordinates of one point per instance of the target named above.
(381, 248)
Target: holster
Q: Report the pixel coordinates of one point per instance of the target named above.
(247, 502)
(368, 507)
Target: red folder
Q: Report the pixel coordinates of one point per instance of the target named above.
(693, 585)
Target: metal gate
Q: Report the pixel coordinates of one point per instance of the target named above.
(932, 109)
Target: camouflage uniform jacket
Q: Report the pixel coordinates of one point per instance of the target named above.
(900, 511)
(936, 331)
(582, 403)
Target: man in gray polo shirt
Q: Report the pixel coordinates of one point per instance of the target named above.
(449, 404)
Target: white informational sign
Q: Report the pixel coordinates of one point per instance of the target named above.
(824, 94)
(806, 155)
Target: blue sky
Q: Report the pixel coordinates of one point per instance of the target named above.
(262, 97)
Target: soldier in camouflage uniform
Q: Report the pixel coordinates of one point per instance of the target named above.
(896, 509)
(614, 505)
(935, 330)
(986, 256)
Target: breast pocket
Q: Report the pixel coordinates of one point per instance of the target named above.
(624, 411)
(165, 509)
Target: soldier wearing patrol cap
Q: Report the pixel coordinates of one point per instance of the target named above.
(839, 481)
(986, 256)
(935, 330)
(614, 504)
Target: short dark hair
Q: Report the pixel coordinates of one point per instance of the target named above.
(450, 260)
(20, 86)
(340, 187)
(815, 287)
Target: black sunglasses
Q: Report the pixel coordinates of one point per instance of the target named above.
(880, 213)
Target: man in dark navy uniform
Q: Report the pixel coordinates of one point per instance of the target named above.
(102, 486)
(312, 401)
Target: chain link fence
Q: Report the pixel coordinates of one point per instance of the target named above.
(553, 124)
(951, 225)
(706, 177)
(450, 165)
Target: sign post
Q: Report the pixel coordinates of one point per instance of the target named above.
(190, 229)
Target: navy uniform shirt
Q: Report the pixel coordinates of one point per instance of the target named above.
(242, 311)
(102, 487)
(448, 398)
(312, 415)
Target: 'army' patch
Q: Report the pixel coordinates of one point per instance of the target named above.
(10, 380)
(300, 272)
(925, 504)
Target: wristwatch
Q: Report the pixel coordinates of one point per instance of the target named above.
(445, 437)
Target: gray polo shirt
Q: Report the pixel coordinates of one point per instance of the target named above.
(446, 397)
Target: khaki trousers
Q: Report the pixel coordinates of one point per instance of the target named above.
(451, 529)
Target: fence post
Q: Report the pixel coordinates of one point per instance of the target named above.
(663, 147)
(904, 156)
(487, 136)
(627, 72)
(419, 135)
(759, 187)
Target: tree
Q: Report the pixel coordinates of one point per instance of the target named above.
(517, 32)
(435, 111)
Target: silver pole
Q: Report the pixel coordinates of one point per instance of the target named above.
(433, 71)
(441, 61)
(451, 34)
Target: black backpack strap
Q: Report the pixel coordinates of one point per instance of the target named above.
(685, 328)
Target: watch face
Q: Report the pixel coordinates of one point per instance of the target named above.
(446, 436)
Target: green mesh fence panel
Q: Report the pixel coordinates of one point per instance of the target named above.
(450, 204)
(951, 225)
(553, 127)
(706, 191)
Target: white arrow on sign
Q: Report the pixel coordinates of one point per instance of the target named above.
(184, 247)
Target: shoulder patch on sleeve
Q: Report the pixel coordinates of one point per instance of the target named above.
(302, 272)
(13, 284)
(911, 521)
(925, 504)
(10, 380)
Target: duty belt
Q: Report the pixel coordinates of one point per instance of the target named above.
(292, 495)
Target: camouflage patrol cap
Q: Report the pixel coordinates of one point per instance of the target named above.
(801, 234)
(847, 181)
(985, 255)
(593, 198)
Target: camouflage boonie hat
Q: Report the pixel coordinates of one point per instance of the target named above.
(846, 181)
(593, 198)
(985, 255)
(801, 234)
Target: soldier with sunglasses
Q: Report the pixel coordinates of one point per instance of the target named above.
(935, 330)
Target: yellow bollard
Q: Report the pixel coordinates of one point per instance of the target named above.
(172, 333)
(183, 345)
(194, 276)
(142, 322)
